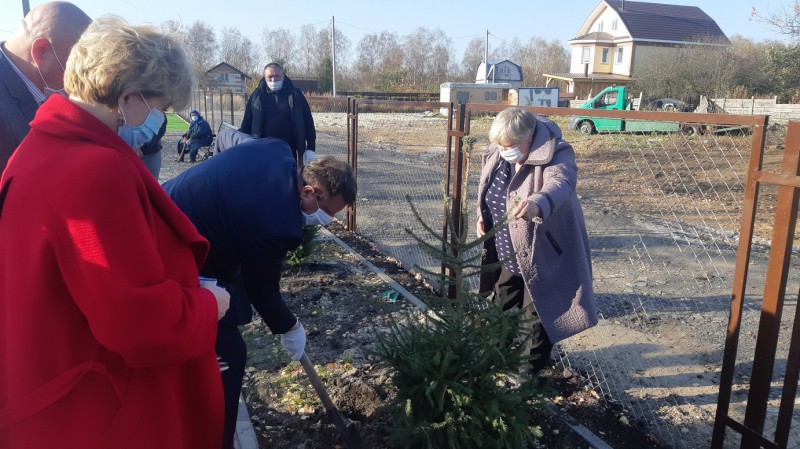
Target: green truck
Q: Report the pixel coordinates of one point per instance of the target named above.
(615, 98)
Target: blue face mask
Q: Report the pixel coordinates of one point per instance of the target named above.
(136, 136)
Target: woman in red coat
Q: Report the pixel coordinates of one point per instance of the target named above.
(106, 336)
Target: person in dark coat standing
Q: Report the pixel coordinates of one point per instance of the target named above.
(32, 65)
(278, 109)
(530, 175)
(251, 203)
(198, 136)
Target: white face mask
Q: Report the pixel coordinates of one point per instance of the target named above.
(512, 155)
(276, 85)
(320, 217)
(48, 91)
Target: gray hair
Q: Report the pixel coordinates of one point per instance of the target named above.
(512, 125)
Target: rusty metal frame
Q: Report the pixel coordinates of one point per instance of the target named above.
(352, 155)
(788, 183)
(457, 186)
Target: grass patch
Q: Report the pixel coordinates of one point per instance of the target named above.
(176, 124)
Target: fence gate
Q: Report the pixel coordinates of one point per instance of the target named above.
(788, 185)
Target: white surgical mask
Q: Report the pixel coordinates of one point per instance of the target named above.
(512, 155)
(320, 217)
(275, 85)
(194, 118)
(136, 136)
(48, 91)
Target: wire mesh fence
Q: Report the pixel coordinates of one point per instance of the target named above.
(663, 212)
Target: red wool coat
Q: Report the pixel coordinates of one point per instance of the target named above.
(106, 339)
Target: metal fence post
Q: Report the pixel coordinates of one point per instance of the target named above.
(352, 154)
(459, 167)
(233, 121)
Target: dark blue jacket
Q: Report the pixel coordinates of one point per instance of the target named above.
(246, 202)
(199, 131)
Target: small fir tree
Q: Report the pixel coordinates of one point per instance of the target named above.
(456, 371)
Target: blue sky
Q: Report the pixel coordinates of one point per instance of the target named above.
(461, 21)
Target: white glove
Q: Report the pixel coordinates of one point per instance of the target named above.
(294, 341)
(308, 156)
(222, 296)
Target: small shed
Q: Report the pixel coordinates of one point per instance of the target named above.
(227, 77)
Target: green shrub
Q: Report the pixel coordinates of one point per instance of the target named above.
(455, 379)
(299, 256)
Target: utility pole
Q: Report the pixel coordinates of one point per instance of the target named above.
(26, 7)
(333, 53)
(486, 60)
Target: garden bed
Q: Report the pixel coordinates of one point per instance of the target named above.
(339, 300)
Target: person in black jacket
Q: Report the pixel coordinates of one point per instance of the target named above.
(278, 109)
(198, 136)
(251, 202)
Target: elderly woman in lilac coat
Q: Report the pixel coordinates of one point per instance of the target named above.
(529, 173)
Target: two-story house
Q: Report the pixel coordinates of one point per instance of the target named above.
(504, 71)
(224, 76)
(620, 34)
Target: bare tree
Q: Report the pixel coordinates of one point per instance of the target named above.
(749, 61)
(201, 49)
(427, 57)
(786, 21)
(377, 54)
(322, 48)
(175, 29)
(473, 55)
(306, 54)
(688, 72)
(237, 50)
(279, 46)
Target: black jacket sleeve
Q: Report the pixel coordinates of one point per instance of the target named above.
(261, 271)
(247, 121)
(308, 120)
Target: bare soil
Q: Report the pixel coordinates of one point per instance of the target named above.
(339, 300)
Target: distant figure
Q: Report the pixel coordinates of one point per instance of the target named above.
(251, 203)
(198, 136)
(277, 109)
(530, 174)
(107, 334)
(32, 65)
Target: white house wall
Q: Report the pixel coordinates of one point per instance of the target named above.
(602, 21)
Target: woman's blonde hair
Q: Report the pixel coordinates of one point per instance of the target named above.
(512, 125)
(113, 58)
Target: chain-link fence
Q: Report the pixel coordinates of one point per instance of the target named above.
(663, 212)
